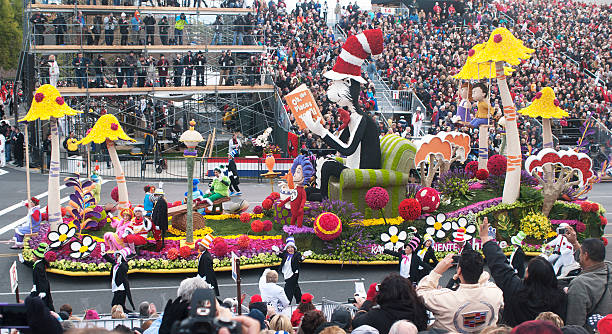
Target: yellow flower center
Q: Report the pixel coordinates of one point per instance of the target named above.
(83, 249)
(62, 237)
(394, 239)
(437, 225)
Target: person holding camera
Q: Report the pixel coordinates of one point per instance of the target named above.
(473, 306)
(205, 263)
(120, 286)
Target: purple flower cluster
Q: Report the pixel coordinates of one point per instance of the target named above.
(476, 207)
(346, 211)
(293, 229)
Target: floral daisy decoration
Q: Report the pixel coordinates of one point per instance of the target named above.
(393, 240)
(82, 249)
(469, 227)
(62, 236)
(437, 226)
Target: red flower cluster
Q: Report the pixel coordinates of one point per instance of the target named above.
(184, 252)
(245, 217)
(275, 195)
(114, 126)
(409, 209)
(604, 220)
(257, 226)
(219, 247)
(267, 204)
(172, 253)
(471, 168)
(589, 207)
(328, 226)
(243, 242)
(580, 227)
(50, 256)
(257, 210)
(267, 225)
(377, 198)
(482, 174)
(39, 97)
(605, 241)
(115, 194)
(497, 165)
(59, 100)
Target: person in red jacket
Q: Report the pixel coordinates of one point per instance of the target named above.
(305, 306)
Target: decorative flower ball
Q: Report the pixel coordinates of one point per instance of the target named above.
(115, 194)
(258, 210)
(172, 253)
(328, 226)
(585, 206)
(267, 204)
(377, 198)
(482, 174)
(257, 226)
(603, 220)
(605, 241)
(51, 256)
(497, 165)
(429, 199)
(409, 209)
(219, 247)
(243, 242)
(594, 207)
(245, 217)
(267, 225)
(471, 168)
(184, 252)
(580, 227)
(275, 195)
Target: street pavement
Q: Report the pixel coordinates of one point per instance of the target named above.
(332, 282)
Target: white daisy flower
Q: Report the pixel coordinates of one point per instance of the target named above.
(61, 237)
(81, 250)
(394, 241)
(470, 228)
(438, 226)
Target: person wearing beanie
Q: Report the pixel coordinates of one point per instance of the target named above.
(31, 225)
(259, 316)
(304, 306)
(604, 325)
(426, 252)
(290, 268)
(536, 327)
(256, 302)
(233, 174)
(410, 265)
(517, 258)
(205, 263)
(120, 286)
(40, 284)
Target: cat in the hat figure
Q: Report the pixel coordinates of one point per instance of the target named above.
(359, 140)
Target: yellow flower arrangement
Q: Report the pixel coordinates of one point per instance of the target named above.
(107, 127)
(544, 105)
(475, 71)
(379, 221)
(502, 46)
(47, 103)
(253, 237)
(197, 233)
(536, 225)
(230, 216)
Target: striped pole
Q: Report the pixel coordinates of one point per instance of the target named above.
(53, 199)
(119, 175)
(483, 146)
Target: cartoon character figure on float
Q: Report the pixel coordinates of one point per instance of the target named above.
(302, 171)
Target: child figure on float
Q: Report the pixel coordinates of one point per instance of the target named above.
(359, 141)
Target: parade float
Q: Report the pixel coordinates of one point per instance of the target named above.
(366, 208)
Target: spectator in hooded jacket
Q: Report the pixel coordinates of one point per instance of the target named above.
(524, 299)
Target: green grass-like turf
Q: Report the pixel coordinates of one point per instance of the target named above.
(479, 196)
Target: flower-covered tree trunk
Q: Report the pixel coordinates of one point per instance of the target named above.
(53, 199)
(433, 167)
(552, 189)
(119, 175)
(483, 146)
(512, 182)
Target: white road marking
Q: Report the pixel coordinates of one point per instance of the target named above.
(20, 205)
(18, 222)
(2, 171)
(176, 287)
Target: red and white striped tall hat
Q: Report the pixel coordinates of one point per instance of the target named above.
(354, 51)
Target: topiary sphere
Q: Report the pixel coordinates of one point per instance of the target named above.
(172, 253)
(258, 210)
(115, 194)
(471, 168)
(50, 256)
(184, 252)
(328, 226)
(275, 195)
(497, 165)
(429, 199)
(482, 174)
(267, 225)
(377, 198)
(267, 204)
(243, 242)
(409, 209)
(245, 217)
(219, 247)
(257, 226)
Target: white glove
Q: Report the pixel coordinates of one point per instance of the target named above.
(276, 249)
(42, 295)
(307, 253)
(313, 125)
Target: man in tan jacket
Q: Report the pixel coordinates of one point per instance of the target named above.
(473, 306)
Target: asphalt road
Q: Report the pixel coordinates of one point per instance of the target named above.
(332, 282)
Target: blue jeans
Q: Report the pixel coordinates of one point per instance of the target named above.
(100, 80)
(178, 36)
(130, 77)
(81, 79)
(216, 40)
(240, 36)
(7, 151)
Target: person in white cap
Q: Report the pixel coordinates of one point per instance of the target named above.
(290, 267)
(417, 122)
(560, 252)
(359, 141)
(120, 286)
(205, 263)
